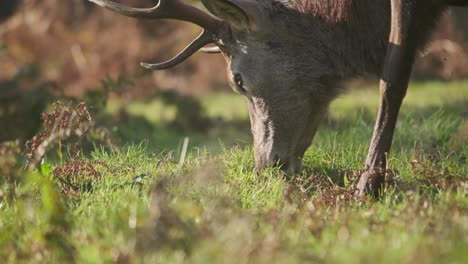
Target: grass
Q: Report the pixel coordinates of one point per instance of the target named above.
(138, 205)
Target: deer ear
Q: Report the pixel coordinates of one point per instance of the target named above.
(242, 14)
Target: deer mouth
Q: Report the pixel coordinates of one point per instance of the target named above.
(289, 164)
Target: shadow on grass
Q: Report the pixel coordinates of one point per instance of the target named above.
(366, 117)
(159, 137)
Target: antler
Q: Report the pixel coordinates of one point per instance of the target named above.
(198, 43)
(172, 9)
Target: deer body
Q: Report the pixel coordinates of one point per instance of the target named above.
(289, 57)
(353, 34)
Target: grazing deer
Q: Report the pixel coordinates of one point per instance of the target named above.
(288, 58)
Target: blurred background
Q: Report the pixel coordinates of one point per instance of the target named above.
(55, 50)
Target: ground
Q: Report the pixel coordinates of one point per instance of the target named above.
(149, 203)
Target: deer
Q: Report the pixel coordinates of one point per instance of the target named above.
(289, 59)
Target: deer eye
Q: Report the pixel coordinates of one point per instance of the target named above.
(237, 84)
(238, 80)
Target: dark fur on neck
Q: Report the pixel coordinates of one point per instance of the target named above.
(353, 34)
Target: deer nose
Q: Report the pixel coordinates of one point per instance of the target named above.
(289, 165)
(283, 164)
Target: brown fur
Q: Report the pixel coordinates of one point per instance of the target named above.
(361, 26)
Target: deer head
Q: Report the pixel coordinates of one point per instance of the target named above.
(268, 61)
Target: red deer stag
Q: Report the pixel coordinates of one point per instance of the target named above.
(288, 58)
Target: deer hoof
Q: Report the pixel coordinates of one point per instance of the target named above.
(370, 183)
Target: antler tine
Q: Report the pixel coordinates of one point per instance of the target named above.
(211, 50)
(204, 38)
(166, 9)
(173, 9)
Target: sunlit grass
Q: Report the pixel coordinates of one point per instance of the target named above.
(146, 208)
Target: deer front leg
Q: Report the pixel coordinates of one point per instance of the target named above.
(393, 85)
